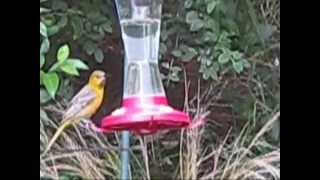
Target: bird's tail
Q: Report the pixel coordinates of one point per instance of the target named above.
(66, 123)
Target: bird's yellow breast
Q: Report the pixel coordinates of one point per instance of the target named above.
(94, 105)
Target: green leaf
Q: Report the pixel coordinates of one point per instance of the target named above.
(196, 25)
(206, 75)
(232, 26)
(189, 53)
(215, 66)
(63, 53)
(100, 30)
(246, 63)
(95, 36)
(69, 68)
(211, 6)
(188, 4)
(162, 48)
(97, 17)
(43, 30)
(56, 66)
(224, 58)
(62, 22)
(213, 74)
(207, 61)
(51, 83)
(254, 21)
(193, 19)
(52, 30)
(41, 76)
(44, 10)
(191, 16)
(77, 26)
(98, 55)
(59, 5)
(49, 21)
(44, 96)
(176, 53)
(42, 60)
(89, 47)
(174, 77)
(212, 24)
(236, 55)
(176, 69)
(77, 63)
(45, 46)
(209, 36)
(237, 66)
(107, 27)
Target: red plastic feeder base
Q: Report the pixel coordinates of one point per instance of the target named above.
(145, 116)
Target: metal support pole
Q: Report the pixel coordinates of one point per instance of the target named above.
(125, 155)
(125, 139)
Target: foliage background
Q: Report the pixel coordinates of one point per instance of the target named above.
(224, 55)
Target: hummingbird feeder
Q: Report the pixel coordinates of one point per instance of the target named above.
(145, 108)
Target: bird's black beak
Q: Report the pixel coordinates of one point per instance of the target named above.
(103, 81)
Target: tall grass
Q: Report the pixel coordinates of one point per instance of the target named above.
(70, 156)
(235, 157)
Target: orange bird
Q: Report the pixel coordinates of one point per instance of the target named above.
(83, 105)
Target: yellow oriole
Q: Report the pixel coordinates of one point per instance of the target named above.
(83, 105)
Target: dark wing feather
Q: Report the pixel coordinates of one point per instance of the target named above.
(79, 101)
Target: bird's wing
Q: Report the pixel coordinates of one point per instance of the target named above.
(84, 97)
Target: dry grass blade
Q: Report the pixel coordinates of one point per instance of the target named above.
(145, 156)
(264, 129)
(190, 146)
(238, 162)
(84, 164)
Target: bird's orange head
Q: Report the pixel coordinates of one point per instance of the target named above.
(97, 78)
